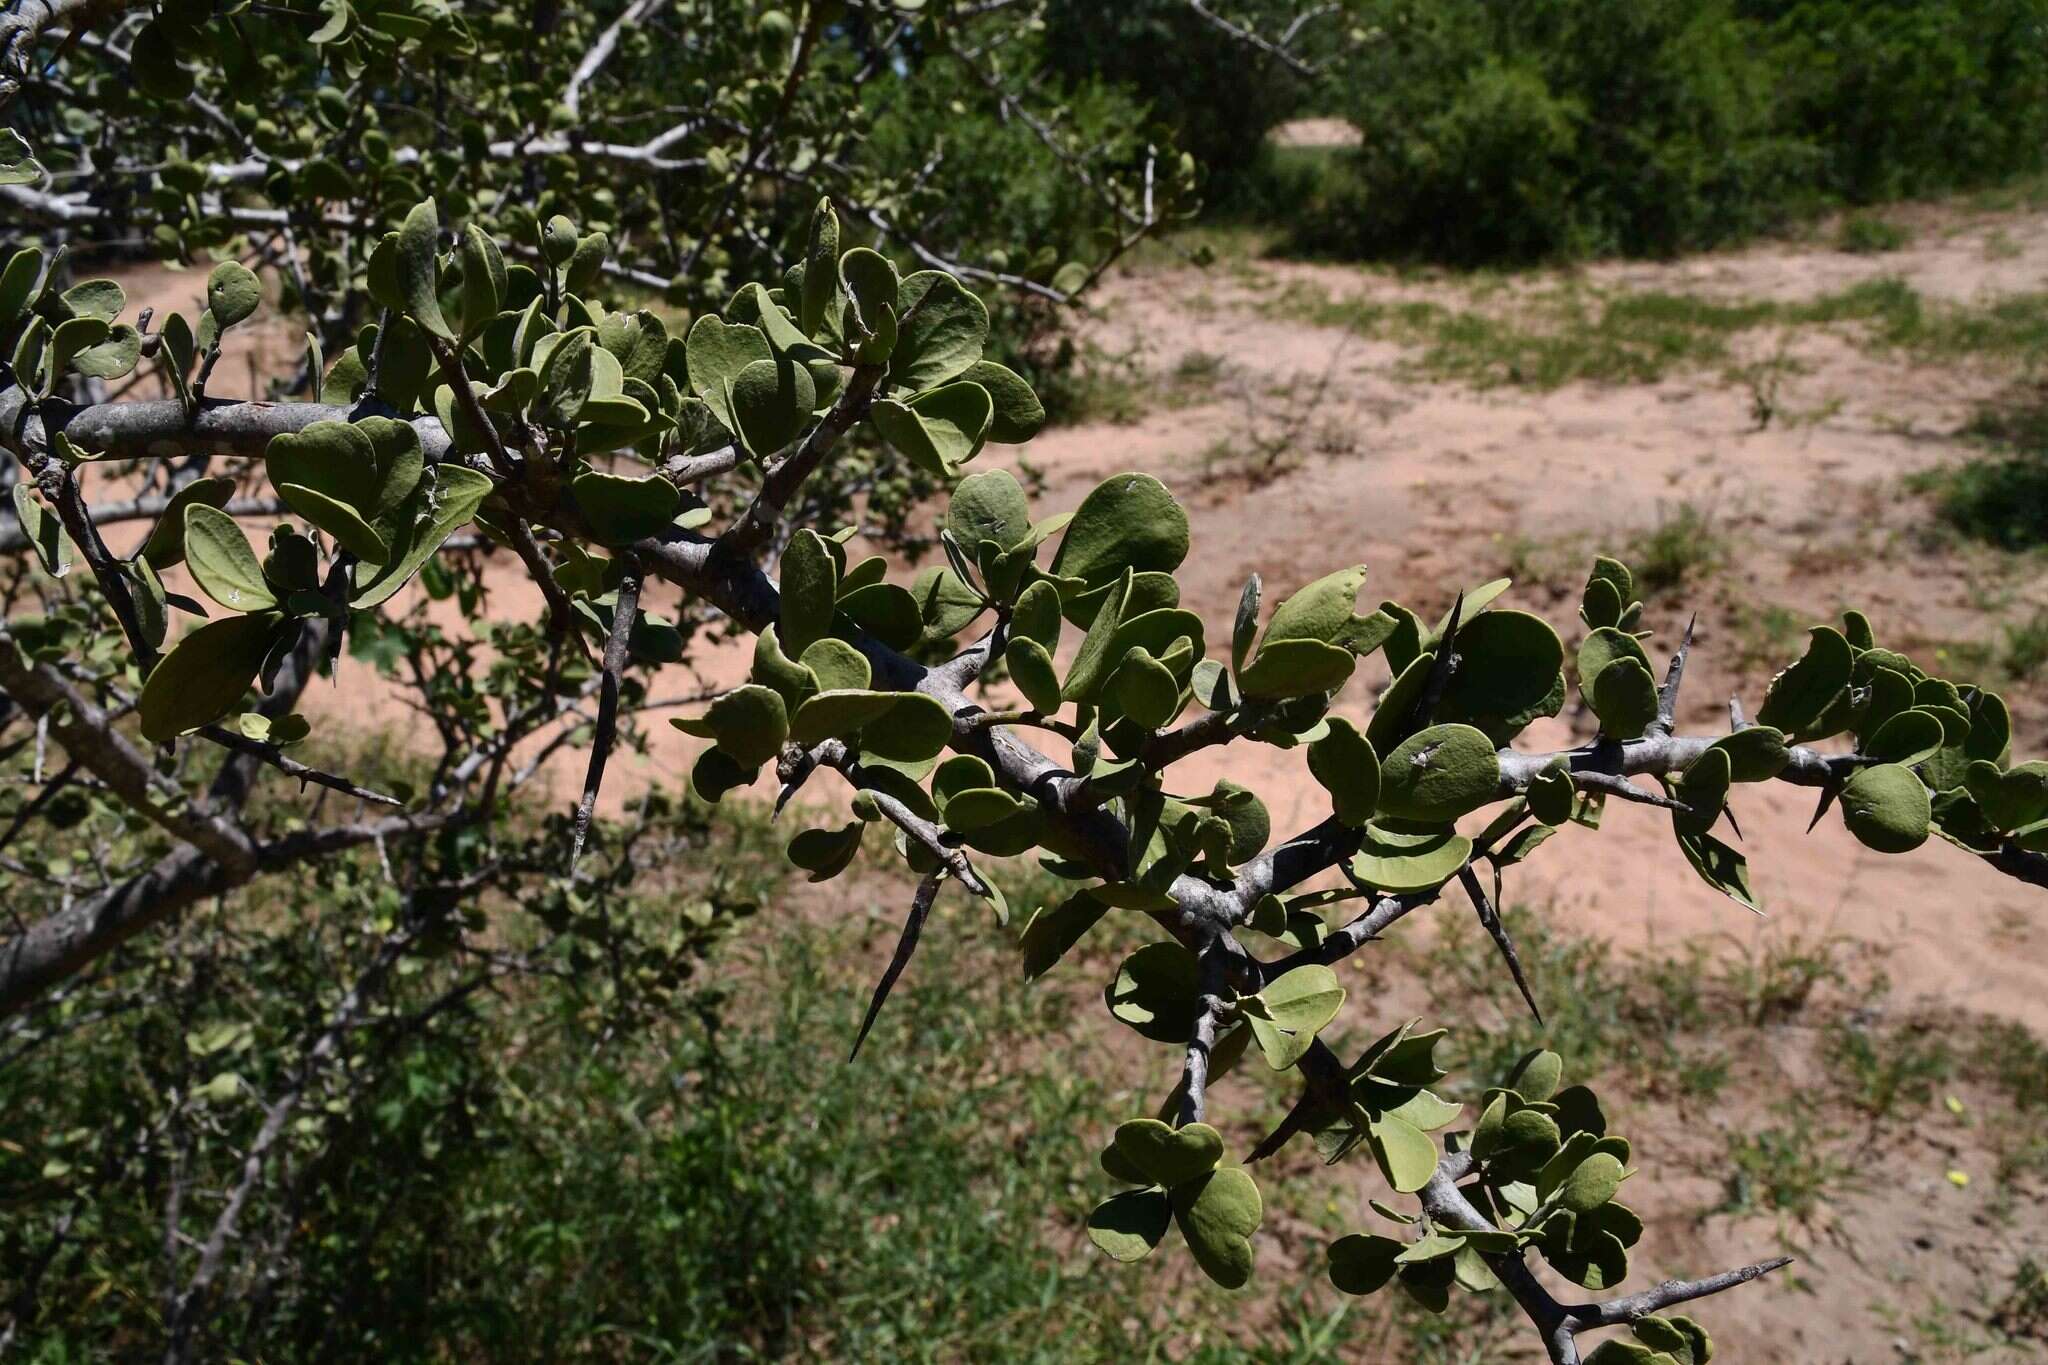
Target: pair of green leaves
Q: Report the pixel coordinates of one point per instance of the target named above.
(1661, 1340)
(822, 694)
(1180, 1181)
(1390, 1109)
(354, 480)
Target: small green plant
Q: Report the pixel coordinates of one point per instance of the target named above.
(1866, 234)
(1901, 1067)
(2026, 646)
(1785, 1169)
(2023, 1313)
(1682, 547)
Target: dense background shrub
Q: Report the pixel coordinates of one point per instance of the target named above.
(1504, 130)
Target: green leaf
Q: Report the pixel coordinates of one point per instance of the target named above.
(917, 727)
(1624, 696)
(446, 498)
(1296, 668)
(1601, 648)
(621, 510)
(1017, 413)
(1720, 867)
(18, 165)
(112, 358)
(717, 772)
(1323, 610)
(1756, 753)
(1127, 522)
(206, 675)
(1155, 992)
(568, 373)
(1510, 673)
(18, 284)
(1907, 738)
(1887, 808)
(166, 544)
(1551, 794)
(821, 268)
(1704, 787)
(1145, 690)
(871, 287)
(1362, 1264)
(72, 336)
(715, 355)
(771, 404)
(1675, 1341)
(350, 479)
(221, 562)
(1162, 1155)
(990, 506)
(836, 665)
(1129, 1226)
(1346, 766)
(837, 714)
(1439, 774)
(748, 722)
(233, 294)
(1592, 1183)
(1096, 660)
(825, 853)
(1536, 1076)
(1298, 1006)
(419, 284)
(1218, 1215)
(1397, 862)
(810, 590)
(1406, 1155)
(1051, 931)
(1799, 695)
(888, 611)
(483, 279)
(938, 430)
(2011, 798)
(1031, 668)
(43, 530)
(941, 330)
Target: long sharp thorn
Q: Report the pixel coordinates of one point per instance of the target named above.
(920, 906)
(624, 612)
(1729, 811)
(1674, 678)
(1323, 1083)
(1827, 798)
(1439, 671)
(1489, 917)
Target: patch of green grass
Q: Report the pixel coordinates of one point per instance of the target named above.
(1572, 333)
(1542, 561)
(1767, 635)
(1787, 1169)
(1882, 1073)
(1564, 335)
(1683, 546)
(1866, 234)
(2026, 646)
(1999, 496)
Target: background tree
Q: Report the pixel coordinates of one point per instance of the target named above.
(502, 393)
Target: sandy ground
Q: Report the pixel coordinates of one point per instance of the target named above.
(1437, 485)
